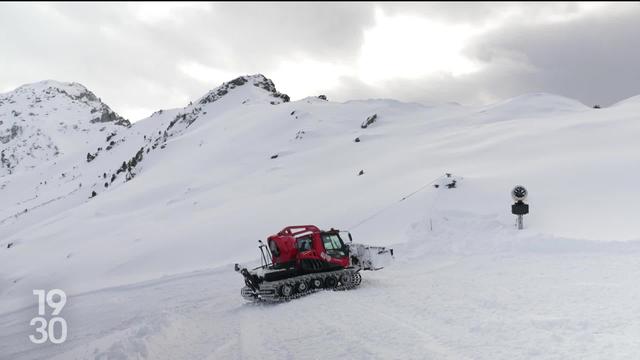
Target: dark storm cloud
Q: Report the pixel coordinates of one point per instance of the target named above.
(134, 56)
(592, 58)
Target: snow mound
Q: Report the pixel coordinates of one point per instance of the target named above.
(632, 101)
(535, 103)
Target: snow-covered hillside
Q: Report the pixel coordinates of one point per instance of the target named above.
(141, 224)
(42, 121)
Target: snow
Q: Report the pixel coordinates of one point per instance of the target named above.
(632, 101)
(148, 262)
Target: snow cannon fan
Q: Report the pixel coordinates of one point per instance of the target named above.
(519, 195)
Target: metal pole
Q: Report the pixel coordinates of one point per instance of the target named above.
(520, 223)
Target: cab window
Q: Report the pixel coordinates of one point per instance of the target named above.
(333, 244)
(303, 243)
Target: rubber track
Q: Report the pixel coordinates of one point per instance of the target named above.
(270, 291)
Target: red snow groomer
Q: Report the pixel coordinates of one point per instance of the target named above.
(303, 259)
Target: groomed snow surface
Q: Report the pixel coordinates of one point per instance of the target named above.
(148, 262)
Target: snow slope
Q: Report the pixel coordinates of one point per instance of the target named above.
(147, 262)
(41, 121)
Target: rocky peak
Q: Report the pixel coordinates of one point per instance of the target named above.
(37, 94)
(41, 121)
(258, 80)
(241, 90)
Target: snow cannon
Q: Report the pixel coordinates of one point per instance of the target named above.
(520, 208)
(303, 259)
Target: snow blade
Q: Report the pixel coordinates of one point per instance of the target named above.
(370, 257)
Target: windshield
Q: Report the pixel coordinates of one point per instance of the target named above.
(333, 245)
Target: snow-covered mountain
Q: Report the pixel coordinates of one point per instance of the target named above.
(41, 122)
(117, 213)
(93, 149)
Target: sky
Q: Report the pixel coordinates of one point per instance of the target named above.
(141, 57)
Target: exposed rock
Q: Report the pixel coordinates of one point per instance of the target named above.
(128, 167)
(370, 120)
(134, 161)
(108, 115)
(239, 81)
(13, 132)
(448, 181)
(257, 80)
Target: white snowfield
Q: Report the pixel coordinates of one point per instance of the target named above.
(148, 262)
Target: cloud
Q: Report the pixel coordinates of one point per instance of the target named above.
(156, 55)
(589, 58)
(585, 53)
(141, 57)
